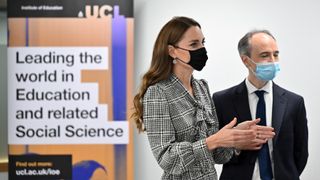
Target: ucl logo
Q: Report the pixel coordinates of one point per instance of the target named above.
(96, 11)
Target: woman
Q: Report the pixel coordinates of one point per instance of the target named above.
(177, 112)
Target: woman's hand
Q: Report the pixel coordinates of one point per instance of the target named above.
(245, 136)
(229, 136)
(264, 133)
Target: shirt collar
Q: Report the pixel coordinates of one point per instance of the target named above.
(251, 88)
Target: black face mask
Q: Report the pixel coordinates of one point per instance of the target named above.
(198, 58)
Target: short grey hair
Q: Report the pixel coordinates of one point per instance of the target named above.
(244, 45)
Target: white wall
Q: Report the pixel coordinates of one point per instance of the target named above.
(294, 23)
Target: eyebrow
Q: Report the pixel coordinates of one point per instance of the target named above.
(264, 52)
(196, 40)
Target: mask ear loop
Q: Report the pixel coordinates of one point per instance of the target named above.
(176, 58)
(249, 66)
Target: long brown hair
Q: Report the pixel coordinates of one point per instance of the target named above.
(161, 63)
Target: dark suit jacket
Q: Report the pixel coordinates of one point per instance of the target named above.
(290, 144)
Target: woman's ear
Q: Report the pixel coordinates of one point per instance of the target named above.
(171, 51)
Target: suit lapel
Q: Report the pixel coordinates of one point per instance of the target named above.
(278, 109)
(241, 103)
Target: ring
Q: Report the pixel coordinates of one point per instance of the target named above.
(257, 135)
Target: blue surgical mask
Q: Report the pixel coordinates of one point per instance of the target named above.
(266, 71)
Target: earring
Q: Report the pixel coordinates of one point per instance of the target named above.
(174, 61)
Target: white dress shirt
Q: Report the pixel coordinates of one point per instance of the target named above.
(253, 101)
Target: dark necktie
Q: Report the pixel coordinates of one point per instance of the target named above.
(264, 156)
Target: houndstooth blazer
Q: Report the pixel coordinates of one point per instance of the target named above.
(177, 125)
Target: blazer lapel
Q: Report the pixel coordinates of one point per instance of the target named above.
(278, 109)
(241, 103)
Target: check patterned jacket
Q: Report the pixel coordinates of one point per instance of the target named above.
(177, 125)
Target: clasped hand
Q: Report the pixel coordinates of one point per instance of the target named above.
(247, 135)
(262, 134)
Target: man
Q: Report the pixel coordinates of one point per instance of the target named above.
(285, 156)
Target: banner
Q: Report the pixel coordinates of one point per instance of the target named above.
(70, 81)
